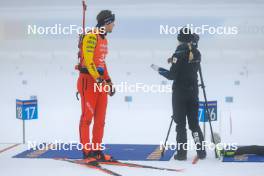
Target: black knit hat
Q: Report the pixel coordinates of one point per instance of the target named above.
(195, 39)
(185, 35)
(105, 17)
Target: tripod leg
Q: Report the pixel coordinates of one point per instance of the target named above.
(168, 133)
(206, 108)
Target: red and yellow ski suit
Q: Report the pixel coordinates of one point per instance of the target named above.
(93, 103)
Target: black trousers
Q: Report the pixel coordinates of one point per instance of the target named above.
(185, 103)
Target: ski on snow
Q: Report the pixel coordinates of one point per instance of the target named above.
(92, 165)
(97, 165)
(118, 163)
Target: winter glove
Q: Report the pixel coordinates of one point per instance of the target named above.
(163, 72)
(169, 60)
(158, 69)
(112, 89)
(99, 80)
(172, 60)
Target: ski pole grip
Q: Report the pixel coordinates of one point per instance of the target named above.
(84, 5)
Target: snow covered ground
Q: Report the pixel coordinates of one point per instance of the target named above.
(29, 167)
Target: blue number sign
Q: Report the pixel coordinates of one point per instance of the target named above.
(26, 109)
(212, 108)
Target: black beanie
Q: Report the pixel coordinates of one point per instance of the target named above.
(195, 39)
(185, 35)
(105, 17)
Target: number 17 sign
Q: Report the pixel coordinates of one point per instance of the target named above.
(26, 109)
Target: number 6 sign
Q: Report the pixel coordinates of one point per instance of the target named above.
(212, 108)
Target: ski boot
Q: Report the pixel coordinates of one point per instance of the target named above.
(101, 157)
(181, 156)
(201, 154)
(88, 158)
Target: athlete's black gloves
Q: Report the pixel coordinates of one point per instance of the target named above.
(112, 89)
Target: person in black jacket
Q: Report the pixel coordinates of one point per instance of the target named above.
(185, 100)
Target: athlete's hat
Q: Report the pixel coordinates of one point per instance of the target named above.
(185, 35)
(195, 39)
(105, 17)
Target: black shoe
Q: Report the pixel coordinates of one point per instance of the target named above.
(201, 154)
(88, 158)
(180, 156)
(88, 155)
(100, 156)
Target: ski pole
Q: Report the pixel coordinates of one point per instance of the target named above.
(168, 133)
(84, 10)
(81, 36)
(206, 108)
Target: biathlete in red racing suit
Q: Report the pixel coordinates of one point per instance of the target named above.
(93, 74)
